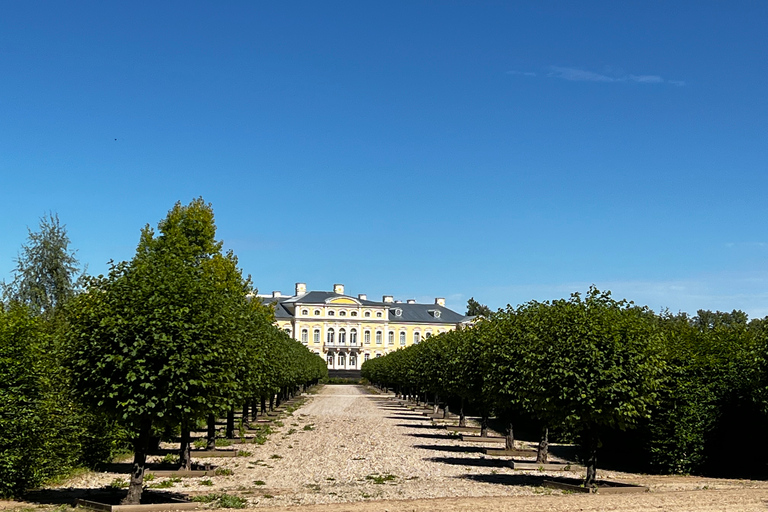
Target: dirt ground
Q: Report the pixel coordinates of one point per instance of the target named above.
(348, 450)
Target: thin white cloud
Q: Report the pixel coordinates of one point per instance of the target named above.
(583, 75)
(521, 73)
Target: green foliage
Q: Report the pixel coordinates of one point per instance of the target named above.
(46, 270)
(474, 308)
(222, 500)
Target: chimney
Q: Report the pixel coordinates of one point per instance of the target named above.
(388, 298)
(411, 301)
(440, 301)
(276, 295)
(338, 288)
(301, 288)
(362, 296)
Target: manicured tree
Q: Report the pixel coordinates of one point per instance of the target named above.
(151, 343)
(594, 363)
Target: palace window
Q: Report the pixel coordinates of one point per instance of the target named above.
(316, 336)
(342, 336)
(330, 336)
(367, 337)
(304, 312)
(354, 313)
(341, 359)
(402, 338)
(304, 336)
(352, 360)
(366, 357)
(378, 314)
(287, 331)
(391, 338)
(367, 314)
(353, 337)
(342, 313)
(428, 335)
(317, 312)
(416, 337)
(378, 337)
(330, 359)
(331, 313)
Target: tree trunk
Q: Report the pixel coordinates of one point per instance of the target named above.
(271, 402)
(263, 405)
(436, 407)
(591, 443)
(231, 424)
(446, 412)
(462, 418)
(185, 457)
(211, 432)
(246, 412)
(509, 439)
(484, 425)
(140, 448)
(542, 454)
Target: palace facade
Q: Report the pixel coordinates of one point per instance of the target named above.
(346, 331)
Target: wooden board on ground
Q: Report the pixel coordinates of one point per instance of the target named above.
(152, 507)
(468, 430)
(495, 452)
(204, 454)
(603, 487)
(546, 466)
(181, 473)
(480, 439)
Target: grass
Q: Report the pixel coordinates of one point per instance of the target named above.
(207, 481)
(276, 456)
(118, 483)
(223, 472)
(291, 431)
(165, 484)
(309, 427)
(243, 453)
(223, 442)
(170, 458)
(259, 482)
(222, 500)
(381, 479)
(200, 444)
(278, 423)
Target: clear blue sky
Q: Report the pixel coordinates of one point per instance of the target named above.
(503, 150)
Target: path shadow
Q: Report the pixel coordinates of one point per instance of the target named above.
(125, 467)
(433, 436)
(466, 461)
(412, 425)
(522, 480)
(451, 449)
(411, 417)
(68, 496)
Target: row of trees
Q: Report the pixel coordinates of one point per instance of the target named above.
(595, 368)
(162, 342)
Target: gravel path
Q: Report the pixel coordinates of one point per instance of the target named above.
(345, 445)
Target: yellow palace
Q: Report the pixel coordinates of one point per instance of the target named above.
(348, 330)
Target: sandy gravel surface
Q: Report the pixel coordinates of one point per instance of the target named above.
(346, 449)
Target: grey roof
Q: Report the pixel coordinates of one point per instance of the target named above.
(421, 313)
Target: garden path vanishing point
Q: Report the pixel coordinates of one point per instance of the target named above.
(348, 449)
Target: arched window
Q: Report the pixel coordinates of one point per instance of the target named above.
(330, 359)
(341, 359)
(378, 337)
(287, 331)
(331, 334)
(342, 336)
(331, 313)
(317, 312)
(367, 314)
(428, 335)
(316, 336)
(305, 336)
(354, 313)
(391, 338)
(305, 312)
(402, 338)
(416, 337)
(342, 313)
(378, 314)
(366, 357)
(353, 360)
(367, 337)
(353, 337)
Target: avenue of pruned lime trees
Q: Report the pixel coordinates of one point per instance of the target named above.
(163, 342)
(651, 392)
